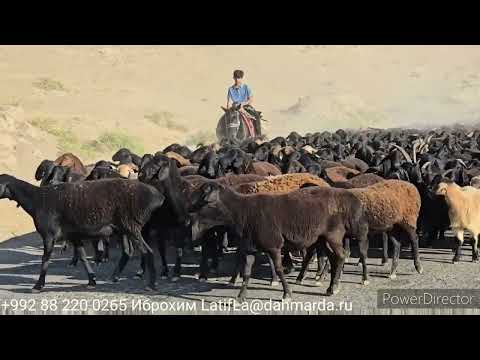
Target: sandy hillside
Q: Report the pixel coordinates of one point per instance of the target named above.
(93, 99)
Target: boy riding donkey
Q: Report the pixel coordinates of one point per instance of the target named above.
(239, 95)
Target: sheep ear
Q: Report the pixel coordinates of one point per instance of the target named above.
(48, 172)
(162, 174)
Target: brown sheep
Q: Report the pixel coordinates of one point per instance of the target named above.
(180, 160)
(299, 219)
(195, 181)
(393, 206)
(71, 161)
(325, 164)
(362, 181)
(359, 181)
(283, 184)
(339, 173)
(232, 180)
(280, 184)
(262, 168)
(356, 164)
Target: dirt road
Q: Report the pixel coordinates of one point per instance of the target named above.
(66, 293)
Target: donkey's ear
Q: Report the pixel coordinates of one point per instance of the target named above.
(224, 108)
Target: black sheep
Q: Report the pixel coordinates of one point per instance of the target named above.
(171, 222)
(84, 210)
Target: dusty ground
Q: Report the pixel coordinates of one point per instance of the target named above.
(20, 261)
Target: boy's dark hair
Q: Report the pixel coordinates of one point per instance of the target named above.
(238, 74)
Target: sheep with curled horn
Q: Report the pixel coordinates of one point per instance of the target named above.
(86, 210)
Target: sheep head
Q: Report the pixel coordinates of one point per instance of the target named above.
(123, 156)
(442, 188)
(44, 169)
(155, 169)
(57, 175)
(5, 180)
(206, 196)
(475, 182)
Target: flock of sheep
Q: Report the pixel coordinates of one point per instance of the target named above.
(299, 195)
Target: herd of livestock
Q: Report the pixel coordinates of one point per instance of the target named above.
(294, 196)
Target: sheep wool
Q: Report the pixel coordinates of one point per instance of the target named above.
(340, 173)
(463, 207)
(262, 168)
(390, 202)
(281, 184)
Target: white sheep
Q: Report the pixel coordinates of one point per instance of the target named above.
(475, 182)
(464, 213)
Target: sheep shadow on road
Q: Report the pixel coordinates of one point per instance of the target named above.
(20, 259)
